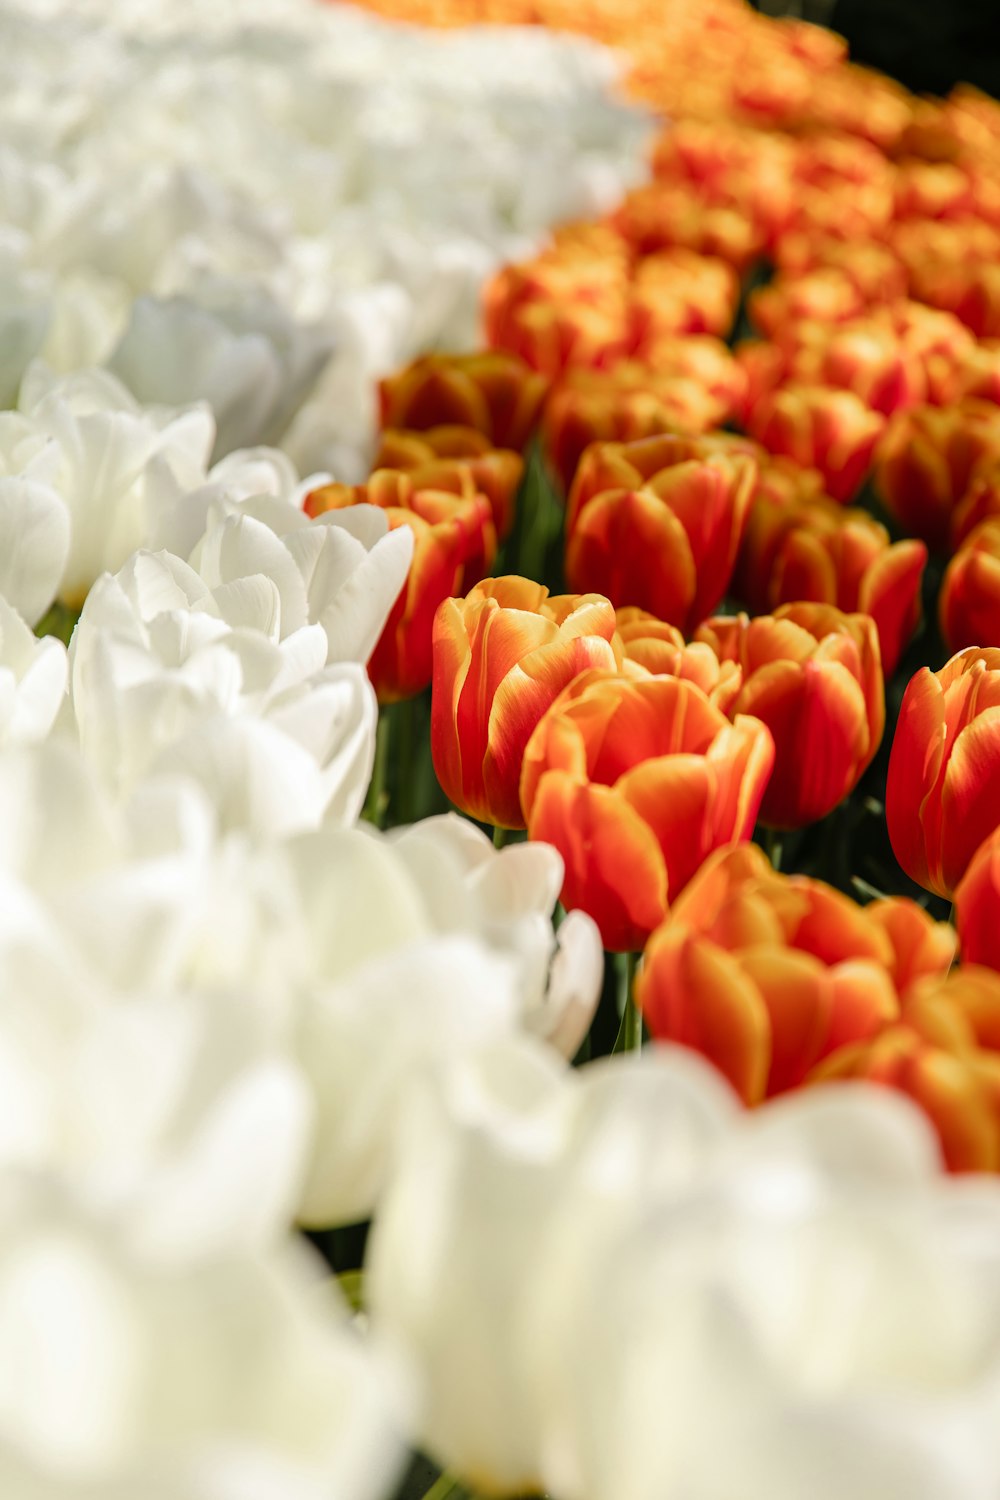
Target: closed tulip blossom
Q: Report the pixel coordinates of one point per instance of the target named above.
(501, 657)
(654, 648)
(980, 502)
(830, 554)
(437, 454)
(969, 602)
(766, 974)
(813, 675)
(689, 386)
(658, 524)
(943, 790)
(942, 1052)
(829, 430)
(493, 391)
(977, 901)
(454, 545)
(925, 463)
(635, 782)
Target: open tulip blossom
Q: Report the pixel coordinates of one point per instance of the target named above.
(484, 515)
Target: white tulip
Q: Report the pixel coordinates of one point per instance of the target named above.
(33, 676)
(616, 1282)
(131, 1368)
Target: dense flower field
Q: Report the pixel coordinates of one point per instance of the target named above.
(499, 758)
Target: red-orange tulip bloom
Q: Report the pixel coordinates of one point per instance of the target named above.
(832, 431)
(678, 291)
(660, 215)
(501, 657)
(454, 544)
(977, 906)
(942, 1053)
(767, 974)
(435, 455)
(832, 554)
(657, 524)
(565, 308)
(981, 502)
(493, 392)
(943, 792)
(827, 295)
(635, 782)
(654, 648)
(926, 460)
(969, 602)
(695, 385)
(813, 675)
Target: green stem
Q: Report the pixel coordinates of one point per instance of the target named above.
(446, 1488)
(772, 844)
(630, 1031)
(377, 801)
(499, 837)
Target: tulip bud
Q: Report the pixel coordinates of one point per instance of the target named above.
(431, 458)
(454, 545)
(653, 648)
(830, 554)
(832, 431)
(501, 657)
(767, 974)
(494, 392)
(943, 789)
(635, 782)
(969, 602)
(813, 675)
(694, 385)
(657, 524)
(926, 460)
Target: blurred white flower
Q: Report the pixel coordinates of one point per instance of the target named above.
(615, 1282)
(33, 676)
(133, 1367)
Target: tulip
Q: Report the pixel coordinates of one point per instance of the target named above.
(501, 657)
(829, 554)
(813, 675)
(766, 975)
(693, 385)
(969, 601)
(677, 291)
(943, 789)
(926, 460)
(980, 502)
(32, 681)
(942, 1053)
(635, 782)
(494, 392)
(826, 294)
(454, 544)
(832, 431)
(433, 457)
(654, 648)
(657, 524)
(562, 309)
(660, 216)
(977, 901)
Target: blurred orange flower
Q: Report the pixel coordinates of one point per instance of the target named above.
(494, 392)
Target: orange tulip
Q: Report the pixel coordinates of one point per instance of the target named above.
(813, 675)
(454, 544)
(653, 648)
(942, 1053)
(969, 601)
(493, 392)
(981, 502)
(977, 902)
(875, 269)
(565, 308)
(926, 460)
(659, 216)
(695, 385)
(434, 455)
(832, 431)
(502, 655)
(832, 554)
(826, 294)
(767, 974)
(635, 782)
(943, 790)
(657, 524)
(678, 291)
